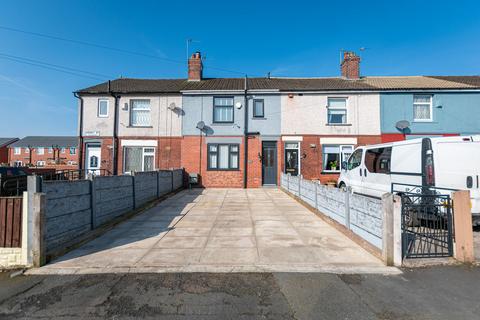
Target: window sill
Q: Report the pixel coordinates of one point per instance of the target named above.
(222, 123)
(139, 126)
(422, 121)
(338, 124)
(259, 118)
(330, 172)
(209, 169)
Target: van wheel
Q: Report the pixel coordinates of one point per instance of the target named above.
(342, 186)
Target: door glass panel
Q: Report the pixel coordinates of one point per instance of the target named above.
(93, 162)
(291, 161)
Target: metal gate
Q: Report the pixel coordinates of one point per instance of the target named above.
(427, 223)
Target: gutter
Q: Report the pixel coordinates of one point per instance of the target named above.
(116, 96)
(245, 133)
(80, 132)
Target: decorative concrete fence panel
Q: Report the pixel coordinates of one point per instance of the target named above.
(331, 201)
(145, 187)
(113, 197)
(73, 209)
(308, 192)
(164, 182)
(361, 214)
(366, 218)
(177, 178)
(68, 211)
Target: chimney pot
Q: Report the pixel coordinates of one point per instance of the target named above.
(350, 66)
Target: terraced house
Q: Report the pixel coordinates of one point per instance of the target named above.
(242, 132)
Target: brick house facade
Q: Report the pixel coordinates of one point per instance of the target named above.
(209, 126)
(60, 153)
(4, 143)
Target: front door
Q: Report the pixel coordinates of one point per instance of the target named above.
(92, 160)
(269, 163)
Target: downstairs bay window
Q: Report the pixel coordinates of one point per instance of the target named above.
(334, 155)
(223, 156)
(138, 159)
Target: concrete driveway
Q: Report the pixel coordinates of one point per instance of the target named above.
(221, 230)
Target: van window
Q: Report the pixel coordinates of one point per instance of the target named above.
(355, 159)
(378, 160)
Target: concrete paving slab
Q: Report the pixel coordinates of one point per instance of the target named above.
(181, 242)
(221, 230)
(232, 242)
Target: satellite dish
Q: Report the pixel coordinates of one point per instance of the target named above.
(172, 106)
(238, 105)
(200, 125)
(402, 124)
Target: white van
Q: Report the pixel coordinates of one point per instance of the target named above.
(444, 162)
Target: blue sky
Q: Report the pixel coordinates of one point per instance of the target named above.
(291, 38)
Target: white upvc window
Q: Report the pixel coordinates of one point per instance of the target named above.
(102, 108)
(17, 150)
(40, 150)
(334, 155)
(337, 111)
(50, 150)
(140, 113)
(40, 163)
(27, 150)
(422, 108)
(62, 150)
(136, 159)
(73, 150)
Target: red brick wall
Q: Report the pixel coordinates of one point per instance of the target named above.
(47, 157)
(392, 137)
(209, 178)
(167, 152)
(311, 163)
(254, 167)
(4, 155)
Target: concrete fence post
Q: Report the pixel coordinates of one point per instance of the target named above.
(463, 227)
(171, 175)
(93, 201)
(347, 208)
(387, 228)
(392, 230)
(288, 182)
(133, 191)
(315, 189)
(300, 178)
(38, 230)
(158, 184)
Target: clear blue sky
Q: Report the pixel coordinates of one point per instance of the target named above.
(291, 38)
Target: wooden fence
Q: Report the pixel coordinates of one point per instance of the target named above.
(11, 222)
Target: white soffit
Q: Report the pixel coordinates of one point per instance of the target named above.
(334, 140)
(292, 138)
(139, 143)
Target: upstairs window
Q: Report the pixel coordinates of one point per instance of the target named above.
(102, 108)
(40, 150)
(140, 113)
(50, 150)
(62, 150)
(27, 150)
(223, 109)
(73, 150)
(337, 110)
(258, 108)
(422, 108)
(17, 150)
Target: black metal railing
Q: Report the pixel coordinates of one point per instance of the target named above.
(427, 224)
(16, 185)
(74, 174)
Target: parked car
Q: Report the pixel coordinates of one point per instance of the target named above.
(431, 163)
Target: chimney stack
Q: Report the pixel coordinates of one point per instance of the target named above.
(350, 65)
(195, 67)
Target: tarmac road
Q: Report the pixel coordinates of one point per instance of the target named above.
(429, 293)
